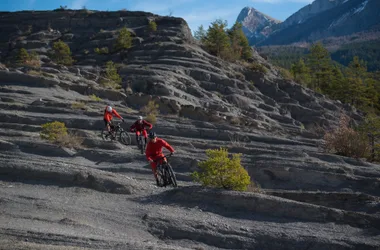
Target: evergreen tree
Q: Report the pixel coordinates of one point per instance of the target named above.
(300, 72)
(239, 42)
(62, 53)
(22, 56)
(320, 67)
(124, 40)
(217, 40)
(200, 34)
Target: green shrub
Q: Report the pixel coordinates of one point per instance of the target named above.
(124, 40)
(152, 26)
(151, 111)
(62, 53)
(56, 132)
(111, 73)
(95, 98)
(22, 56)
(101, 51)
(52, 131)
(220, 171)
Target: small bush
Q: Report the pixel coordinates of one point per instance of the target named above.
(101, 51)
(62, 53)
(78, 105)
(56, 132)
(346, 141)
(222, 172)
(95, 98)
(258, 67)
(124, 40)
(152, 26)
(111, 73)
(53, 130)
(285, 73)
(151, 111)
(22, 56)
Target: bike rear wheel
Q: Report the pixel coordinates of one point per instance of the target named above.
(125, 138)
(142, 145)
(106, 136)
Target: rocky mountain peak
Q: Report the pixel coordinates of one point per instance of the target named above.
(256, 25)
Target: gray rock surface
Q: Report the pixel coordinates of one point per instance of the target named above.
(102, 196)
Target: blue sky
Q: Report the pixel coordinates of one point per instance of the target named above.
(195, 12)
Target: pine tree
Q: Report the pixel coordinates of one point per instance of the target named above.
(356, 75)
(62, 53)
(200, 34)
(217, 40)
(124, 40)
(320, 67)
(300, 72)
(239, 42)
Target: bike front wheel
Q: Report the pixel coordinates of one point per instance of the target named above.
(171, 176)
(125, 138)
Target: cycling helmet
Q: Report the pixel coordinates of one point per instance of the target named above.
(140, 117)
(109, 108)
(152, 134)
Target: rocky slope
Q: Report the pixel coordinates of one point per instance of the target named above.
(256, 25)
(102, 195)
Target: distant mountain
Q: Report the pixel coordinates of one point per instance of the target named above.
(310, 10)
(325, 19)
(256, 25)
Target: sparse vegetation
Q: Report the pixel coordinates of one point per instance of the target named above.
(112, 75)
(229, 44)
(346, 141)
(257, 67)
(56, 132)
(101, 51)
(124, 40)
(151, 111)
(78, 105)
(221, 171)
(23, 58)
(95, 98)
(62, 53)
(53, 130)
(34, 73)
(152, 26)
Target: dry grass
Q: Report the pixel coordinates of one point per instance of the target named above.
(34, 63)
(79, 105)
(254, 188)
(70, 140)
(236, 140)
(34, 73)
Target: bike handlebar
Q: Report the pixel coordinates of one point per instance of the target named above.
(165, 156)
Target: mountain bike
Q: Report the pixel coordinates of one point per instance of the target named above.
(116, 131)
(165, 173)
(141, 145)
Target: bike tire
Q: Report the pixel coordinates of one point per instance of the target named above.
(171, 175)
(124, 138)
(142, 147)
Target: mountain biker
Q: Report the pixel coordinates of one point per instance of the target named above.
(139, 127)
(154, 151)
(109, 113)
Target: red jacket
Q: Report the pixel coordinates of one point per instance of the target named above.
(139, 127)
(154, 150)
(108, 115)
